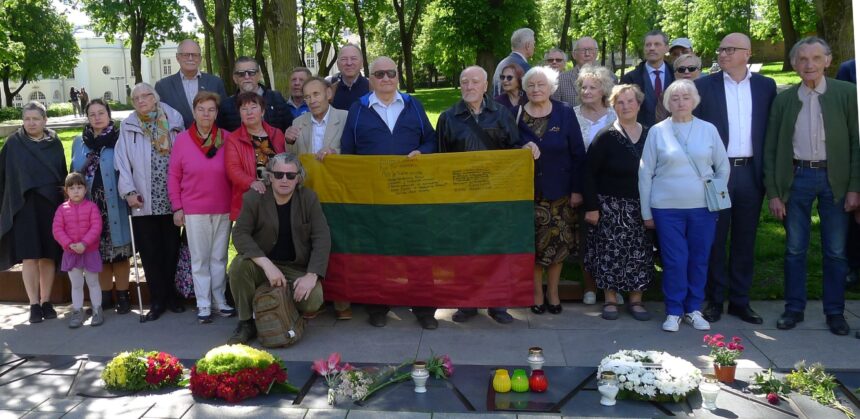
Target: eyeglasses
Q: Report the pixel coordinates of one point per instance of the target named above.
(688, 69)
(141, 96)
(289, 175)
(729, 50)
(380, 74)
(505, 78)
(187, 55)
(586, 50)
(554, 60)
(245, 73)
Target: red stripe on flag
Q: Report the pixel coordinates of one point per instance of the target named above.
(503, 280)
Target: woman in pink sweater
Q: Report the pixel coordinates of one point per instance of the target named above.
(199, 193)
(77, 228)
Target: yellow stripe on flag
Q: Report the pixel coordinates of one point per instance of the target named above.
(482, 176)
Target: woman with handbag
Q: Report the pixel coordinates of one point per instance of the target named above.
(200, 196)
(683, 159)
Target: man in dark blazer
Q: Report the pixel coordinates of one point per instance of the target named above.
(178, 90)
(522, 49)
(653, 76)
(737, 102)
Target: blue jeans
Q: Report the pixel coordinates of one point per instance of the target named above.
(809, 185)
(685, 237)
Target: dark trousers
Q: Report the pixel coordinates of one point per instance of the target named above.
(157, 240)
(852, 248)
(417, 311)
(737, 226)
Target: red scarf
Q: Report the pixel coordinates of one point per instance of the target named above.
(208, 145)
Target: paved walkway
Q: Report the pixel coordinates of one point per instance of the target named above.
(576, 338)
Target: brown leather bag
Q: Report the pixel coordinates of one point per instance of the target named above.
(278, 321)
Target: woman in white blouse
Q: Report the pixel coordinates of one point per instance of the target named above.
(672, 193)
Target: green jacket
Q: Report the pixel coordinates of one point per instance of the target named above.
(842, 141)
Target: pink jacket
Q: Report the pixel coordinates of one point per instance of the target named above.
(197, 184)
(76, 223)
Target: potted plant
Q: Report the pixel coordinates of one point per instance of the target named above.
(725, 355)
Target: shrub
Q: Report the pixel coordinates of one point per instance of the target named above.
(7, 114)
(60, 109)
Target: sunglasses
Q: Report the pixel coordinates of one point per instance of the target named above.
(245, 73)
(554, 60)
(689, 69)
(289, 175)
(380, 74)
(504, 77)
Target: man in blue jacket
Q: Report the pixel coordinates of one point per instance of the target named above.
(737, 102)
(387, 122)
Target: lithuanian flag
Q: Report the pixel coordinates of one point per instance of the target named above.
(445, 230)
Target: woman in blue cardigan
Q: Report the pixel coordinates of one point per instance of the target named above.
(552, 125)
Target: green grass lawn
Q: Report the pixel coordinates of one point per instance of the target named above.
(774, 71)
(770, 242)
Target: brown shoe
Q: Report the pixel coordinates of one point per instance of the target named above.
(343, 314)
(311, 314)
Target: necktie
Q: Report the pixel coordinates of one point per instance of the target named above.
(658, 84)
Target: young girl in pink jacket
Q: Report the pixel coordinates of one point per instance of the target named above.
(77, 228)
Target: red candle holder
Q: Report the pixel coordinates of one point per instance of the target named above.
(538, 382)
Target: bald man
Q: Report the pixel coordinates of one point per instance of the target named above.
(387, 122)
(178, 90)
(738, 103)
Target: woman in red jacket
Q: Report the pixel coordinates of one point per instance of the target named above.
(249, 148)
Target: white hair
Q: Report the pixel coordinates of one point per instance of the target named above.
(472, 67)
(520, 37)
(554, 49)
(681, 86)
(550, 74)
(146, 87)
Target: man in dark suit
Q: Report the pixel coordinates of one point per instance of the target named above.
(737, 102)
(247, 76)
(178, 90)
(653, 76)
(522, 49)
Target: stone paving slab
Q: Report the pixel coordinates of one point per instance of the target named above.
(508, 347)
(786, 347)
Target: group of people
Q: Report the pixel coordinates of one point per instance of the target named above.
(79, 100)
(619, 169)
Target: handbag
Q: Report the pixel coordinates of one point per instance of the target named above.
(716, 190)
(183, 279)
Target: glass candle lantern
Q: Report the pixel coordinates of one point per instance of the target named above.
(536, 359)
(420, 376)
(502, 381)
(538, 382)
(520, 381)
(608, 388)
(710, 389)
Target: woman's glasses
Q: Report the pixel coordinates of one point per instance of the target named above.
(505, 78)
(688, 69)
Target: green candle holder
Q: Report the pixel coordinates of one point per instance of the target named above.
(520, 381)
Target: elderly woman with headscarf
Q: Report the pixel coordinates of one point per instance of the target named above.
(558, 180)
(93, 157)
(32, 174)
(142, 156)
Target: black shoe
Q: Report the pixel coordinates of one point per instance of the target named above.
(107, 300)
(837, 324)
(154, 313)
(378, 319)
(48, 311)
(123, 302)
(428, 322)
(177, 306)
(713, 312)
(245, 331)
(501, 316)
(464, 314)
(553, 309)
(538, 309)
(788, 320)
(35, 313)
(745, 313)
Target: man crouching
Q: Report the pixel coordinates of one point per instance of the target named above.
(281, 236)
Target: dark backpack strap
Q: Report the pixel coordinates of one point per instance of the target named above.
(482, 135)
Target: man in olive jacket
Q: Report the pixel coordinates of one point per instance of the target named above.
(282, 238)
(811, 152)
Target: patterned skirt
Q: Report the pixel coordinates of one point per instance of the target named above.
(618, 252)
(555, 231)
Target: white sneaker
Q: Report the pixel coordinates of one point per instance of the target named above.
(696, 320)
(672, 323)
(589, 298)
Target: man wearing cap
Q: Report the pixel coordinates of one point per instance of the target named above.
(679, 47)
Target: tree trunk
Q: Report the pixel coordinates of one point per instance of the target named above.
(10, 94)
(137, 29)
(625, 32)
(603, 52)
(223, 36)
(283, 40)
(407, 36)
(303, 45)
(564, 43)
(362, 35)
(200, 7)
(487, 60)
(260, 42)
(789, 34)
(837, 18)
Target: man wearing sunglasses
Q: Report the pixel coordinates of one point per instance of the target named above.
(737, 102)
(556, 59)
(178, 90)
(387, 122)
(282, 239)
(247, 76)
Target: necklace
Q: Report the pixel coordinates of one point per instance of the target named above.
(678, 133)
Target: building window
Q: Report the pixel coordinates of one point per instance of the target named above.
(38, 96)
(311, 60)
(71, 74)
(106, 70)
(108, 96)
(18, 102)
(166, 66)
(57, 95)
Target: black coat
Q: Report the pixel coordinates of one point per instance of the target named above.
(640, 78)
(277, 112)
(455, 135)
